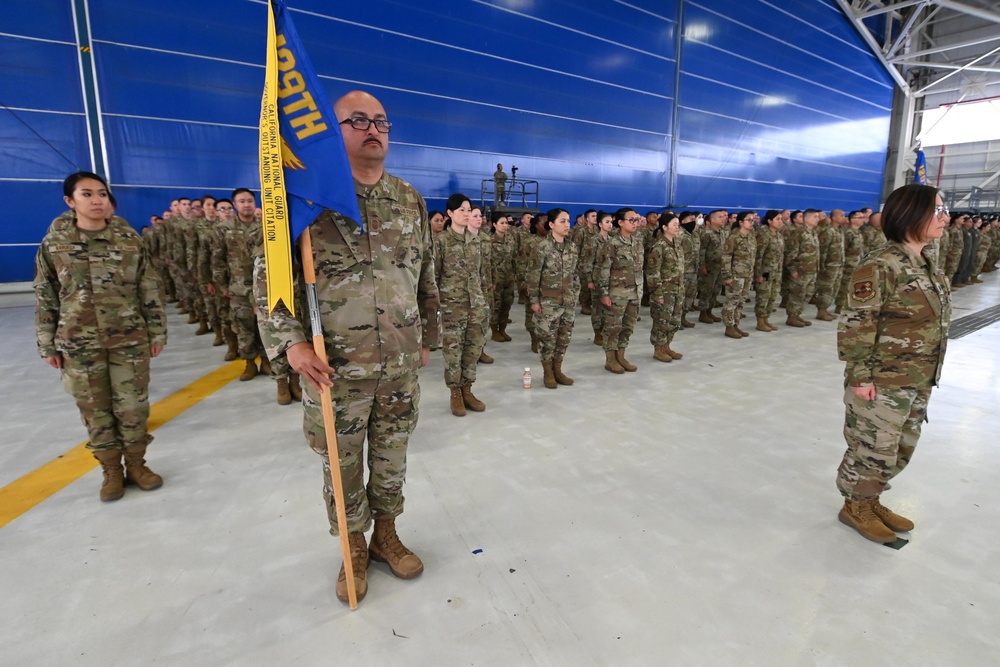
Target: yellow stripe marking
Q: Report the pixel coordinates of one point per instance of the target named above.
(22, 494)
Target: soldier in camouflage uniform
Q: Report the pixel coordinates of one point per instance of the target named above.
(504, 277)
(486, 273)
(99, 318)
(232, 267)
(872, 233)
(553, 289)
(179, 224)
(378, 304)
(587, 263)
(982, 251)
(831, 263)
(854, 250)
(792, 221)
(227, 216)
(802, 261)
(712, 240)
(580, 236)
(526, 250)
(767, 268)
(738, 258)
(892, 336)
(191, 232)
(691, 246)
(618, 280)
(665, 277)
(458, 268)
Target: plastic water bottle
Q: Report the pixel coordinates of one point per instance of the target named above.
(527, 378)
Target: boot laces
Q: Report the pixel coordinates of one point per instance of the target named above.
(866, 511)
(390, 543)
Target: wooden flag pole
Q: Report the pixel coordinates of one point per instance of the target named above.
(329, 422)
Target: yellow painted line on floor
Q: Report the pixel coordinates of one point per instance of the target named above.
(22, 494)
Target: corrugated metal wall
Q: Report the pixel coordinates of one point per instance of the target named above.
(773, 107)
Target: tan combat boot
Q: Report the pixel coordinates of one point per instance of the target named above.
(767, 321)
(715, 318)
(684, 321)
(598, 338)
(892, 520)
(359, 567)
(660, 353)
(548, 379)
(470, 399)
(265, 365)
(670, 351)
(192, 318)
(838, 310)
(858, 514)
(795, 321)
(485, 358)
(731, 332)
(611, 362)
(504, 334)
(295, 386)
(825, 315)
(624, 363)
(534, 342)
(284, 392)
(740, 331)
(456, 402)
(231, 351)
(497, 336)
(250, 372)
(202, 327)
(217, 330)
(385, 547)
(561, 377)
(705, 317)
(113, 486)
(762, 325)
(136, 470)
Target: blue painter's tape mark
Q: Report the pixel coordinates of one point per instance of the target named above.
(477, 551)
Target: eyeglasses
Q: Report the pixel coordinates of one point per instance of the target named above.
(636, 220)
(361, 123)
(225, 208)
(195, 205)
(941, 210)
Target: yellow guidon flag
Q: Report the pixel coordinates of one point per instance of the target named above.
(298, 132)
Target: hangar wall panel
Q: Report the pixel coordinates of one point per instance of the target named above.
(775, 108)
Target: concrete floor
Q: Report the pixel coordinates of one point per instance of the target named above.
(685, 514)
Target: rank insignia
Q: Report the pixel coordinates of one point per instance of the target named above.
(864, 290)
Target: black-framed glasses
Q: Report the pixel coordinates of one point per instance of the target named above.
(941, 210)
(636, 220)
(362, 123)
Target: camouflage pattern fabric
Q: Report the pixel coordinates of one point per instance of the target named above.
(526, 251)
(665, 277)
(691, 247)
(768, 265)
(874, 238)
(580, 238)
(504, 278)
(586, 264)
(831, 264)
(458, 266)
(378, 304)
(618, 274)
(985, 245)
(854, 250)
(801, 257)
(738, 258)
(553, 283)
(709, 286)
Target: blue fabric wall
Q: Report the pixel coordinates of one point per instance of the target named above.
(773, 108)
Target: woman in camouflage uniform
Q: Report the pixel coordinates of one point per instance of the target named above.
(99, 318)
(588, 259)
(738, 257)
(767, 268)
(665, 277)
(892, 336)
(504, 273)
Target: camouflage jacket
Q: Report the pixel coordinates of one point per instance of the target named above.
(895, 329)
(618, 272)
(710, 251)
(95, 290)
(874, 238)
(854, 247)
(378, 301)
(552, 276)
(525, 251)
(770, 253)
(588, 256)
(580, 238)
(504, 269)
(831, 246)
(739, 256)
(665, 267)
(802, 251)
(178, 242)
(236, 246)
(458, 269)
(486, 267)
(206, 248)
(691, 246)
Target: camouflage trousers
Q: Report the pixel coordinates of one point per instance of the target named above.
(881, 436)
(111, 388)
(827, 286)
(554, 328)
(586, 294)
(166, 280)
(225, 312)
(245, 327)
(383, 411)
(690, 290)
(736, 296)
(211, 303)
(463, 337)
(503, 301)
(767, 294)
(618, 323)
(709, 288)
(800, 292)
(197, 299)
(666, 317)
(596, 310)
